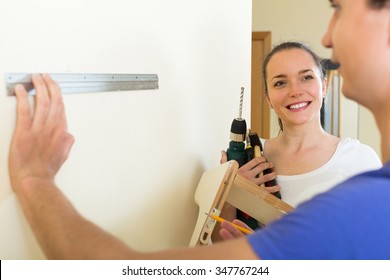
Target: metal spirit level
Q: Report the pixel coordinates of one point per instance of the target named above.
(81, 83)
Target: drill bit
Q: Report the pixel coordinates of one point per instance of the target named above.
(241, 102)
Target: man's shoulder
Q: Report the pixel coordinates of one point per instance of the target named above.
(334, 224)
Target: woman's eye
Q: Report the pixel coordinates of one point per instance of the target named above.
(308, 77)
(279, 84)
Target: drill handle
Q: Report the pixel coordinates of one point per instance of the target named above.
(236, 151)
(255, 140)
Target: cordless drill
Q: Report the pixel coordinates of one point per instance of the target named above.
(236, 150)
(242, 153)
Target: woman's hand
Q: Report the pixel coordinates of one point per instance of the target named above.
(253, 171)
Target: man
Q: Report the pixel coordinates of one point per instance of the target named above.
(348, 222)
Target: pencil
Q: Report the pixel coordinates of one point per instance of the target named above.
(219, 219)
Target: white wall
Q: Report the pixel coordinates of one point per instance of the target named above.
(368, 130)
(306, 21)
(138, 155)
(303, 20)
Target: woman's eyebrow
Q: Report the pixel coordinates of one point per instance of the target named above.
(279, 76)
(305, 71)
(285, 76)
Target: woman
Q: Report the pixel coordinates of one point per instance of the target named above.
(305, 158)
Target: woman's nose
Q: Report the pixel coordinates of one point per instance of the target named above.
(294, 90)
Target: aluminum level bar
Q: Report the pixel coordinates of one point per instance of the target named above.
(82, 83)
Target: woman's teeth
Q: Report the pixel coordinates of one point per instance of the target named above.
(299, 105)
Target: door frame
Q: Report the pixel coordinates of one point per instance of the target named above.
(260, 111)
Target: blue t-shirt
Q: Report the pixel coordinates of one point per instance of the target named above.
(351, 221)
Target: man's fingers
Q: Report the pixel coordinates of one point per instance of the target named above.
(56, 112)
(241, 224)
(225, 234)
(231, 229)
(24, 116)
(42, 101)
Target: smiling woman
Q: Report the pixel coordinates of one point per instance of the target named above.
(307, 159)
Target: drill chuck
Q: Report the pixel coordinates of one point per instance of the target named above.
(238, 130)
(236, 149)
